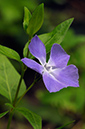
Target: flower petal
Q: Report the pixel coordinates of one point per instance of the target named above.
(37, 49)
(51, 83)
(68, 76)
(58, 56)
(33, 65)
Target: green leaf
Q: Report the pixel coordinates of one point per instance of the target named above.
(25, 50)
(33, 118)
(9, 105)
(57, 35)
(9, 53)
(66, 125)
(27, 17)
(36, 20)
(9, 79)
(3, 114)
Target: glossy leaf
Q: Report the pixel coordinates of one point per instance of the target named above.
(57, 35)
(33, 118)
(3, 114)
(9, 79)
(9, 53)
(27, 17)
(36, 20)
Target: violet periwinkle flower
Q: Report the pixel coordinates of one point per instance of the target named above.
(56, 74)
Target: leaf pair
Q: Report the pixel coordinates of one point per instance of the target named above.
(32, 23)
(34, 119)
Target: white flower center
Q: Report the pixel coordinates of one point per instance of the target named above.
(48, 68)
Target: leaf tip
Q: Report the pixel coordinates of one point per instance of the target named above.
(42, 5)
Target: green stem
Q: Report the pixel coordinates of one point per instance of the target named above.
(27, 90)
(18, 88)
(10, 118)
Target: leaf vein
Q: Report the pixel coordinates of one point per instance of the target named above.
(7, 82)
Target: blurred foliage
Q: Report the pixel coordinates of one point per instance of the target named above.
(11, 13)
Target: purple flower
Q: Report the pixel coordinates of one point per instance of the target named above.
(56, 74)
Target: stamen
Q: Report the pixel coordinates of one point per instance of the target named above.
(48, 68)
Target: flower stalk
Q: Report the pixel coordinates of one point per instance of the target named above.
(27, 90)
(10, 118)
(22, 75)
